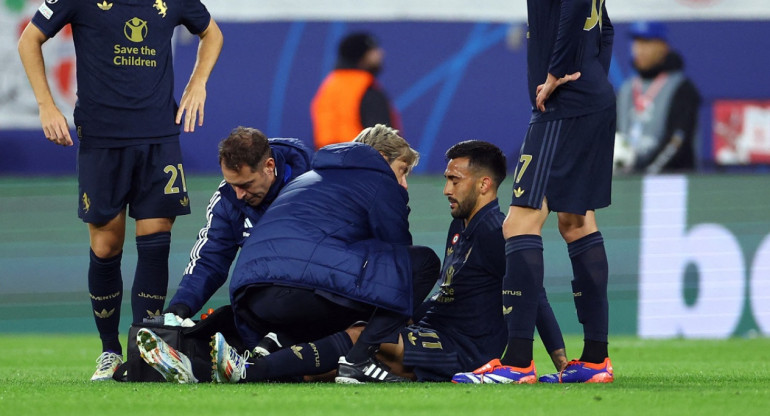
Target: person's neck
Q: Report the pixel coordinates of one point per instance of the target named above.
(480, 203)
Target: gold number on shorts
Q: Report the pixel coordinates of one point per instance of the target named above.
(524, 160)
(175, 171)
(596, 16)
(181, 174)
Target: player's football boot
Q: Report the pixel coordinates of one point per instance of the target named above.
(495, 372)
(369, 371)
(268, 345)
(173, 365)
(582, 372)
(106, 365)
(227, 365)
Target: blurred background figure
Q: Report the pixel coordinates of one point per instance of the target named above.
(350, 99)
(657, 108)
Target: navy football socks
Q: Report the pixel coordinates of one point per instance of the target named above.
(105, 287)
(547, 325)
(522, 286)
(148, 293)
(589, 287)
(312, 358)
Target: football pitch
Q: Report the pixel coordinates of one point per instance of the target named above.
(48, 342)
(48, 375)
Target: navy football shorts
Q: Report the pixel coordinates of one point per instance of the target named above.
(567, 161)
(148, 178)
(432, 358)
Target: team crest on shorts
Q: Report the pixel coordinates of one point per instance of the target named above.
(86, 202)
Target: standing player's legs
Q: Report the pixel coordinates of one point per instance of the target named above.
(105, 281)
(523, 281)
(158, 195)
(589, 285)
(153, 243)
(582, 188)
(103, 185)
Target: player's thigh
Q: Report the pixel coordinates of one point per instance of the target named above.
(581, 177)
(524, 220)
(107, 239)
(159, 186)
(299, 313)
(149, 226)
(568, 162)
(534, 164)
(104, 183)
(574, 226)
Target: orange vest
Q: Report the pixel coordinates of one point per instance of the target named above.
(336, 107)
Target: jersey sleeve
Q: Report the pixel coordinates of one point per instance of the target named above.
(51, 18)
(608, 37)
(210, 258)
(196, 17)
(572, 20)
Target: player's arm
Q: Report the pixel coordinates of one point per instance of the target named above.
(574, 17)
(608, 37)
(52, 120)
(194, 96)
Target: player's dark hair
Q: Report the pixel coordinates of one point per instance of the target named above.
(244, 146)
(481, 156)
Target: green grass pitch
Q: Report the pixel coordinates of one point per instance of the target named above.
(48, 375)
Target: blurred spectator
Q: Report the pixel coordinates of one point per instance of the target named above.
(657, 108)
(350, 99)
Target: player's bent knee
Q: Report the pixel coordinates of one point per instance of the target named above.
(105, 251)
(354, 332)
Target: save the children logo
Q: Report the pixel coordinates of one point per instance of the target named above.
(135, 30)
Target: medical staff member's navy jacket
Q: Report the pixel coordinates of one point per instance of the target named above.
(340, 229)
(228, 222)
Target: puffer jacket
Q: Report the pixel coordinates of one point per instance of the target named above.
(341, 228)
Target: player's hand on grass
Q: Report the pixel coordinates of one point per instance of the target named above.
(191, 105)
(55, 125)
(545, 90)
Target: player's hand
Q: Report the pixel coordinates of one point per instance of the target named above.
(55, 125)
(192, 103)
(544, 91)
